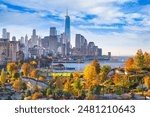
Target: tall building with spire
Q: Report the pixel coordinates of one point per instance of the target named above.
(67, 34)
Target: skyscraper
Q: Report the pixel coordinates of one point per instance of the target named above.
(4, 33)
(34, 39)
(67, 34)
(53, 31)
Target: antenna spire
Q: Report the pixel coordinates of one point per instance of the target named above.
(67, 12)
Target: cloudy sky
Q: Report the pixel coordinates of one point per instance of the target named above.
(119, 26)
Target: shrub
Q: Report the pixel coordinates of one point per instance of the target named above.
(58, 94)
(48, 92)
(27, 93)
(67, 95)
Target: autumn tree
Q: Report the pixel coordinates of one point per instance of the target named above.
(90, 75)
(3, 77)
(34, 73)
(33, 63)
(146, 60)
(26, 69)
(121, 80)
(17, 84)
(67, 85)
(15, 74)
(116, 79)
(59, 83)
(147, 81)
(11, 67)
(104, 72)
(77, 86)
(139, 60)
(76, 75)
(96, 64)
(129, 64)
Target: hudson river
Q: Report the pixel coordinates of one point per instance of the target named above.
(80, 66)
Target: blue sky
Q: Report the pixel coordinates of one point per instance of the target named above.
(119, 26)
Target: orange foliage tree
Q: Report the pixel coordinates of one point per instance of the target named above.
(116, 79)
(17, 84)
(96, 64)
(34, 73)
(129, 64)
(26, 69)
(147, 81)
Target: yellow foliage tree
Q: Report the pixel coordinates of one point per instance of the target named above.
(11, 67)
(34, 73)
(67, 85)
(146, 59)
(3, 77)
(147, 81)
(17, 84)
(90, 75)
(26, 68)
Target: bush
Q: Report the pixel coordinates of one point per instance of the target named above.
(48, 92)
(58, 94)
(24, 86)
(83, 95)
(118, 91)
(27, 93)
(139, 88)
(67, 95)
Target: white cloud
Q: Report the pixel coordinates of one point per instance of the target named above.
(108, 12)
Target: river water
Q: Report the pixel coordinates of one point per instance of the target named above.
(80, 66)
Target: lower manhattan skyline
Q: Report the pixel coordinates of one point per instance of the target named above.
(118, 26)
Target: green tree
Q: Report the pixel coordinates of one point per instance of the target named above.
(77, 86)
(104, 72)
(139, 60)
